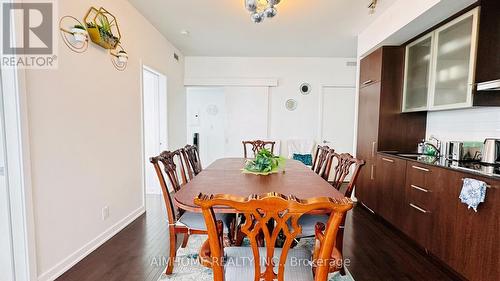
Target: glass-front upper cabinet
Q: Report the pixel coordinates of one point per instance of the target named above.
(455, 58)
(417, 74)
(439, 67)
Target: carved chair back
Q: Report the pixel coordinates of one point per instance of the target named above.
(170, 160)
(192, 160)
(323, 161)
(283, 212)
(257, 145)
(342, 167)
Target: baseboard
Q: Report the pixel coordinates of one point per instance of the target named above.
(84, 251)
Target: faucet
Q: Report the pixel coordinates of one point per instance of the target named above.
(437, 146)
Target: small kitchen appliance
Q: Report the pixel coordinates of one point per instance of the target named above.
(491, 151)
(463, 151)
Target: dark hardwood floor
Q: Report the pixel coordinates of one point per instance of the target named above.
(375, 252)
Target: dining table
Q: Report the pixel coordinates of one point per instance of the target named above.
(225, 176)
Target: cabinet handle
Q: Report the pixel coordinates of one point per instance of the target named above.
(420, 188)
(374, 147)
(367, 82)
(418, 208)
(372, 172)
(420, 168)
(388, 160)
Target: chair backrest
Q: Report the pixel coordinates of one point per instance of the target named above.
(192, 160)
(257, 145)
(285, 211)
(323, 161)
(169, 161)
(342, 168)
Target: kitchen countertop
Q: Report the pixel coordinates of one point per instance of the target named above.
(475, 168)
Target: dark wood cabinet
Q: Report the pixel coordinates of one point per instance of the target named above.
(371, 68)
(369, 110)
(488, 48)
(381, 125)
(428, 210)
(390, 175)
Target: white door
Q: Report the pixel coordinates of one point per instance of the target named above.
(246, 117)
(224, 117)
(206, 116)
(155, 123)
(337, 120)
(6, 243)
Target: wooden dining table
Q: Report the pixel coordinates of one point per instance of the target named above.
(224, 176)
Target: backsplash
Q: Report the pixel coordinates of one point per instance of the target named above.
(474, 124)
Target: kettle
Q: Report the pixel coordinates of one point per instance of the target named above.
(491, 151)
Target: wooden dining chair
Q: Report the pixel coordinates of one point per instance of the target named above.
(323, 161)
(192, 160)
(256, 146)
(344, 164)
(179, 221)
(270, 263)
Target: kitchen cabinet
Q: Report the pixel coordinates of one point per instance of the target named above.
(417, 74)
(433, 216)
(369, 100)
(390, 175)
(452, 69)
(440, 66)
(381, 126)
(371, 68)
(488, 60)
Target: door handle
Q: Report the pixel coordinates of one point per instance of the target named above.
(419, 188)
(367, 82)
(418, 208)
(420, 168)
(388, 160)
(374, 147)
(372, 172)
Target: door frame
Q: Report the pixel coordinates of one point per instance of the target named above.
(321, 109)
(163, 89)
(18, 166)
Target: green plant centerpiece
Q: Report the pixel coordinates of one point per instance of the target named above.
(265, 163)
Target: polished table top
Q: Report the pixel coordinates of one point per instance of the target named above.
(224, 176)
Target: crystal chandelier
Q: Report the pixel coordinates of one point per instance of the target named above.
(261, 9)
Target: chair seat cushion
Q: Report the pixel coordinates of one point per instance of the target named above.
(196, 221)
(240, 264)
(308, 223)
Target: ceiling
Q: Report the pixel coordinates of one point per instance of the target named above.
(302, 28)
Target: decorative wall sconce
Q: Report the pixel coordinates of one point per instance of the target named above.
(74, 34)
(119, 59)
(102, 28)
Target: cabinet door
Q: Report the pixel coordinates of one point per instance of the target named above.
(417, 74)
(368, 116)
(390, 183)
(454, 62)
(371, 68)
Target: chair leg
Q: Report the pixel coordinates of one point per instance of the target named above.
(172, 251)
(185, 240)
(340, 247)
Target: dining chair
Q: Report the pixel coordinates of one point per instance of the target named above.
(270, 263)
(256, 146)
(322, 162)
(192, 160)
(344, 164)
(179, 221)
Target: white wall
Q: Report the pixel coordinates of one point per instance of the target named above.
(302, 123)
(474, 124)
(85, 137)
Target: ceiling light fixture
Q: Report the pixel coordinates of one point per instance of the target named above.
(372, 6)
(261, 9)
